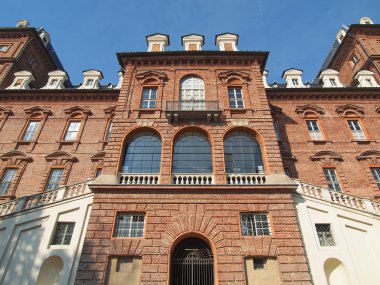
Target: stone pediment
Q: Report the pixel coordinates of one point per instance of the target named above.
(342, 110)
(159, 76)
(226, 75)
(38, 109)
(303, 110)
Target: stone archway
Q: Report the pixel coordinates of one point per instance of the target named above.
(192, 263)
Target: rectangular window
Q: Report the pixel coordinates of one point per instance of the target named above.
(356, 129)
(255, 224)
(63, 233)
(149, 97)
(6, 181)
(376, 174)
(332, 82)
(354, 59)
(314, 131)
(295, 82)
(98, 172)
(30, 131)
(4, 48)
(129, 225)
(325, 235)
(54, 179)
(72, 131)
(276, 129)
(89, 82)
(109, 129)
(259, 263)
(332, 179)
(369, 82)
(235, 97)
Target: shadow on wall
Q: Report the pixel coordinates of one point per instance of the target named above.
(51, 271)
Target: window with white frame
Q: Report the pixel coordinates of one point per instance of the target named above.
(325, 235)
(72, 131)
(31, 131)
(356, 130)
(7, 179)
(235, 97)
(314, 131)
(255, 224)
(376, 174)
(149, 98)
(109, 129)
(4, 48)
(332, 179)
(63, 233)
(55, 177)
(129, 225)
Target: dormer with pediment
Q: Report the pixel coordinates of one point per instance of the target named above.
(91, 79)
(56, 80)
(192, 42)
(157, 42)
(350, 110)
(366, 78)
(327, 157)
(21, 80)
(293, 78)
(330, 78)
(227, 41)
(309, 111)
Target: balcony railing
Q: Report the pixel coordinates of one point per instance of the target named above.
(193, 179)
(192, 110)
(138, 179)
(246, 179)
(336, 197)
(45, 198)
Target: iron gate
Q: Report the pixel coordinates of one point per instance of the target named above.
(192, 264)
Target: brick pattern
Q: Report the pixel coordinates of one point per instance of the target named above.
(212, 214)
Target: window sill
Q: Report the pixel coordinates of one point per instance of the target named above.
(319, 141)
(366, 141)
(239, 109)
(24, 142)
(147, 110)
(67, 142)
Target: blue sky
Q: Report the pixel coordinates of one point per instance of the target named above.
(87, 34)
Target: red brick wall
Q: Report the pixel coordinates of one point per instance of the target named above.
(214, 214)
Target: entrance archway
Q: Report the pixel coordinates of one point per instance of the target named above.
(192, 263)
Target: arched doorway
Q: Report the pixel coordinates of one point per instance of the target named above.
(192, 263)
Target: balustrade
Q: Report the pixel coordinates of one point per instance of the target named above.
(139, 179)
(246, 179)
(193, 179)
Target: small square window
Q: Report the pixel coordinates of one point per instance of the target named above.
(235, 96)
(325, 235)
(259, 263)
(129, 225)
(31, 131)
(63, 233)
(333, 82)
(376, 174)
(295, 82)
(54, 179)
(6, 181)
(332, 179)
(89, 82)
(72, 131)
(53, 82)
(4, 48)
(255, 224)
(149, 98)
(354, 59)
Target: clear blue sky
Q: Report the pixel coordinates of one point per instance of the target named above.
(86, 34)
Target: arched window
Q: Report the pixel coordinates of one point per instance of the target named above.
(242, 154)
(192, 88)
(192, 154)
(143, 154)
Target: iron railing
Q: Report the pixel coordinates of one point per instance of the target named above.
(192, 105)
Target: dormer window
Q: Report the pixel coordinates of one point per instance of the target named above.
(193, 42)
(21, 80)
(89, 82)
(157, 42)
(4, 48)
(18, 82)
(293, 78)
(53, 82)
(56, 80)
(369, 82)
(365, 78)
(227, 42)
(333, 82)
(91, 79)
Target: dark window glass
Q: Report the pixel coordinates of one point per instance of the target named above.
(54, 179)
(192, 154)
(325, 235)
(242, 154)
(6, 181)
(376, 174)
(129, 225)
(255, 224)
(63, 233)
(143, 154)
(332, 179)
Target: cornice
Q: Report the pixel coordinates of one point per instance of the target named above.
(59, 95)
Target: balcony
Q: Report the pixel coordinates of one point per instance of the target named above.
(193, 179)
(138, 179)
(246, 179)
(192, 110)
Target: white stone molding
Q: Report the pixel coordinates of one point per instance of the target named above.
(56, 80)
(330, 78)
(189, 41)
(293, 78)
(225, 39)
(22, 80)
(91, 79)
(366, 78)
(157, 40)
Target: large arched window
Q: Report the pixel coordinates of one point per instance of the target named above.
(242, 153)
(143, 154)
(192, 93)
(192, 154)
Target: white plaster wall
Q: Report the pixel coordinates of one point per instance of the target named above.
(25, 241)
(357, 237)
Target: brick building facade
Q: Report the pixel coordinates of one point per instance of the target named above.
(193, 153)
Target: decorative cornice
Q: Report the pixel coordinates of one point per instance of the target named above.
(159, 76)
(77, 109)
(372, 155)
(342, 110)
(326, 155)
(37, 109)
(15, 157)
(226, 75)
(302, 110)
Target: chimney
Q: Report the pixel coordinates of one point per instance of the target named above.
(56, 80)
(193, 42)
(227, 41)
(91, 79)
(157, 42)
(22, 24)
(22, 80)
(293, 78)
